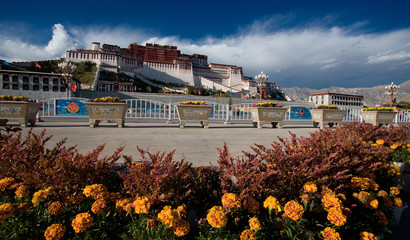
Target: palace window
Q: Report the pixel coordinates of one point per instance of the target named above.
(55, 88)
(36, 87)
(25, 79)
(45, 81)
(5, 78)
(26, 87)
(45, 88)
(36, 80)
(62, 89)
(55, 81)
(6, 86)
(15, 78)
(15, 86)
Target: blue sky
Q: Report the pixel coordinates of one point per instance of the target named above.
(314, 44)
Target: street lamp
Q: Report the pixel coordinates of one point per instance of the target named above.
(261, 80)
(68, 69)
(391, 90)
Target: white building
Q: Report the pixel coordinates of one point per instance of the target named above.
(342, 101)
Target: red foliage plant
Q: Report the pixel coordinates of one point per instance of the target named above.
(63, 168)
(329, 157)
(159, 178)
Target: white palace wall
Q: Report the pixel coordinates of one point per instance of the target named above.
(167, 73)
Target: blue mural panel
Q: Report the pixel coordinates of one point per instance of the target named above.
(300, 113)
(70, 107)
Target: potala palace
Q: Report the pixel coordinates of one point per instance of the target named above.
(167, 64)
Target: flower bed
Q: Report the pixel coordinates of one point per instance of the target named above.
(378, 116)
(106, 108)
(270, 112)
(327, 115)
(194, 111)
(18, 108)
(335, 184)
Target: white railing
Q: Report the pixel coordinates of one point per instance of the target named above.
(151, 109)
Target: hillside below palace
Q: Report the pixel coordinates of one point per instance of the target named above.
(166, 64)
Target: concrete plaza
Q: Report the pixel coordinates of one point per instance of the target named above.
(193, 143)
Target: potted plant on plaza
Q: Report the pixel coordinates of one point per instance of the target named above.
(194, 111)
(378, 116)
(267, 112)
(106, 108)
(18, 108)
(327, 115)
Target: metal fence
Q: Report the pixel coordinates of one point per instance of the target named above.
(150, 109)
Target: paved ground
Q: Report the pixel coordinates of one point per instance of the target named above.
(193, 143)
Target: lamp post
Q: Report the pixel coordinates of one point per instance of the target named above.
(68, 69)
(391, 90)
(261, 80)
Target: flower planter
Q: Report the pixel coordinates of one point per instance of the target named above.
(397, 212)
(99, 111)
(378, 118)
(273, 115)
(194, 113)
(331, 117)
(24, 112)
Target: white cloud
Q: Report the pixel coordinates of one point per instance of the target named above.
(304, 56)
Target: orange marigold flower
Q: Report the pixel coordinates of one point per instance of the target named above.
(6, 182)
(310, 187)
(382, 193)
(330, 234)
(6, 210)
(398, 202)
(231, 200)
(41, 196)
(382, 217)
(326, 190)
(81, 222)
(22, 191)
(272, 203)
(329, 201)
(393, 170)
(54, 232)
(248, 235)
(151, 223)
(367, 236)
(99, 206)
(305, 198)
(252, 205)
(168, 216)
(121, 204)
(142, 205)
(293, 210)
(55, 208)
(181, 228)
(380, 142)
(394, 191)
(96, 191)
(336, 217)
(255, 224)
(374, 203)
(182, 211)
(216, 217)
(395, 145)
(22, 207)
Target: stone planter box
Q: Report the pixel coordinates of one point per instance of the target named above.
(273, 115)
(24, 112)
(378, 118)
(194, 113)
(331, 117)
(99, 111)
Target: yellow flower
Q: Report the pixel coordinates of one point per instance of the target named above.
(398, 202)
(216, 217)
(331, 201)
(41, 196)
(181, 228)
(248, 235)
(54, 232)
(293, 210)
(367, 236)
(55, 208)
(182, 211)
(22, 207)
(6, 210)
(394, 191)
(394, 170)
(364, 183)
(304, 198)
(336, 217)
(96, 191)
(310, 187)
(6, 182)
(99, 206)
(395, 145)
(252, 205)
(380, 142)
(374, 203)
(151, 223)
(231, 200)
(255, 224)
(22, 191)
(382, 193)
(330, 234)
(168, 216)
(272, 203)
(81, 222)
(142, 205)
(121, 204)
